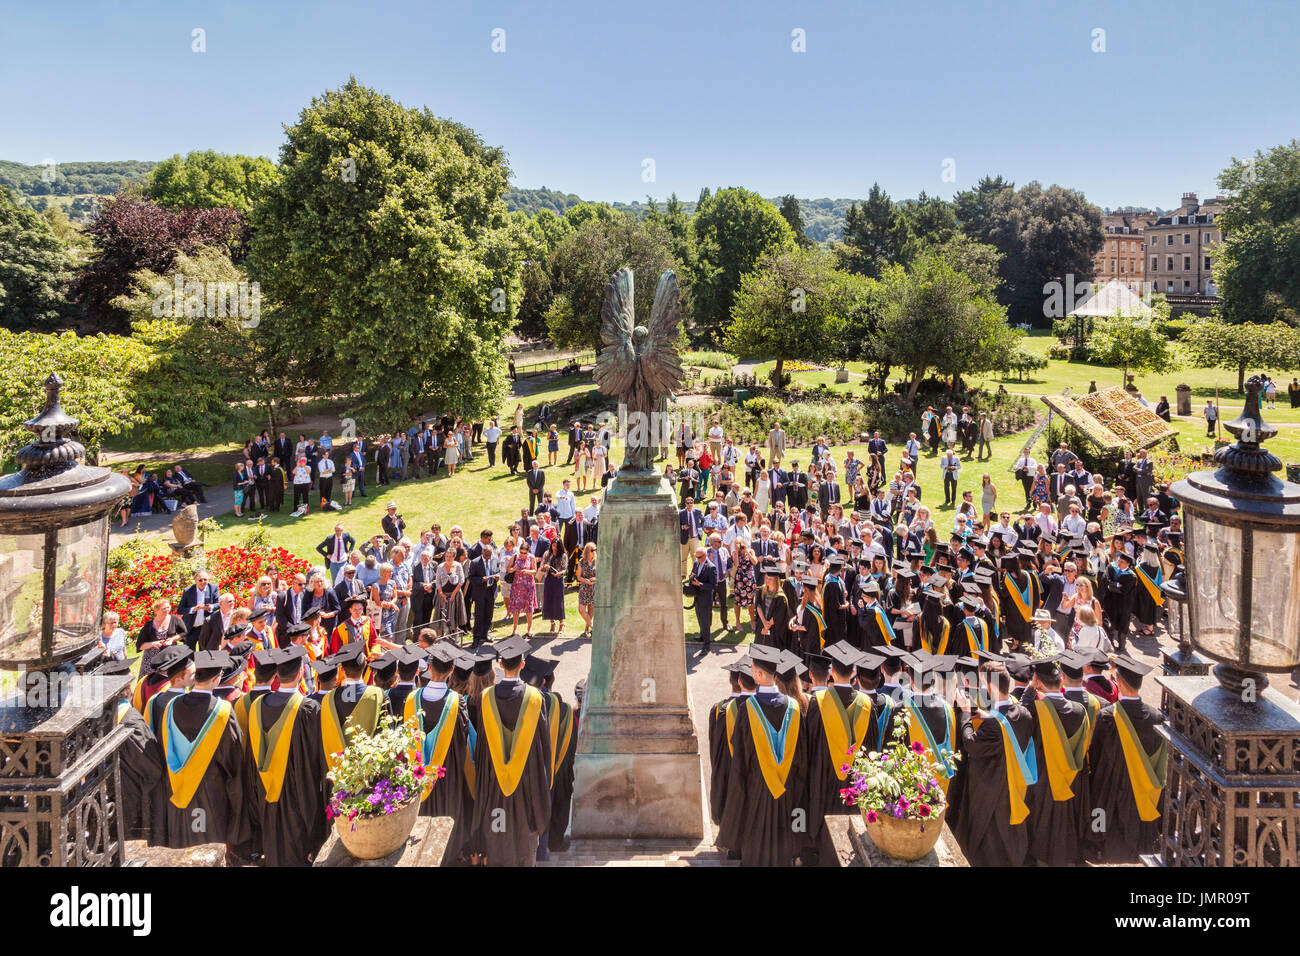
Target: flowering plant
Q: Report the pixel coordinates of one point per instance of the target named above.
(379, 773)
(901, 781)
(136, 579)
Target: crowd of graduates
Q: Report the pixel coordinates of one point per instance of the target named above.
(235, 746)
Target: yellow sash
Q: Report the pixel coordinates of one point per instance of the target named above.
(556, 716)
(242, 705)
(1146, 774)
(1017, 785)
(1018, 599)
(836, 721)
(273, 755)
(1153, 589)
(438, 755)
(917, 729)
(365, 714)
(510, 768)
(185, 782)
(731, 724)
(1062, 756)
(774, 774)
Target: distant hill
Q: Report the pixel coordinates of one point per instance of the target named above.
(823, 218)
(70, 186)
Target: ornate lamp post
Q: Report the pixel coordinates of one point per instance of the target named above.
(59, 776)
(1233, 791)
(1183, 662)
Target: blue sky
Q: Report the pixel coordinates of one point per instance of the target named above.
(712, 92)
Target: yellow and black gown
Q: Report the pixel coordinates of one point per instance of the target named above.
(288, 788)
(1020, 595)
(1129, 763)
(722, 723)
(932, 723)
(874, 628)
(767, 780)
(1001, 767)
(204, 774)
(1148, 598)
(564, 745)
(840, 720)
(444, 726)
(512, 769)
(1092, 705)
(836, 618)
(1061, 734)
(776, 609)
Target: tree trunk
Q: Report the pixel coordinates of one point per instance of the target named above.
(915, 383)
(777, 373)
(1241, 378)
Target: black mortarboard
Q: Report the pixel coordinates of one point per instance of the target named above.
(1020, 667)
(1047, 666)
(236, 630)
(966, 665)
(978, 541)
(287, 655)
(790, 666)
(991, 656)
(410, 654)
(259, 614)
(892, 652)
(818, 663)
(1095, 657)
(384, 665)
(870, 586)
(768, 657)
(970, 587)
(983, 576)
(1125, 557)
(311, 614)
(771, 567)
(212, 660)
(906, 575)
(295, 630)
(443, 653)
(868, 663)
(265, 657)
(835, 561)
(172, 660)
(1010, 562)
(513, 647)
(347, 604)
(739, 666)
(463, 665)
(972, 602)
(1132, 671)
(926, 569)
(326, 668)
(484, 655)
(1072, 664)
(238, 664)
(352, 654)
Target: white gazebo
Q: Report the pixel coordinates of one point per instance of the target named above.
(1114, 298)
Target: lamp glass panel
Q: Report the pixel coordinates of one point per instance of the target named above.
(1275, 599)
(22, 596)
(1214, 557)
(79, 582)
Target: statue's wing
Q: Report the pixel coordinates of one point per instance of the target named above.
(616, 364)
(660, 364)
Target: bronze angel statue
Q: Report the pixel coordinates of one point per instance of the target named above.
(639, 363)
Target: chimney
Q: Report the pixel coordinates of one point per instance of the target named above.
(1190, 203)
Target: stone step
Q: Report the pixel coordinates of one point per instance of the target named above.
(653, 853)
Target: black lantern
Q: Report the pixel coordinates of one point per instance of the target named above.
(60, 781)
(1232, 796)
(1242, 528)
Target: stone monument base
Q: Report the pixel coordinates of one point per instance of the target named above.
(647, 795)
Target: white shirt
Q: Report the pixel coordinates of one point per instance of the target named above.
(326, 467)
(591, 513)
(1075, 524)
(491, 434)
(564, 505)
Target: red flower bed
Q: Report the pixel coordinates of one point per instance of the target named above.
(132, 593)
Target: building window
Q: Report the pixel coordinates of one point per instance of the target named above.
(1169, 265)
(1155, 263)
(1207, 263)
(1187, 263)
(1187, 238)
(1169, 239)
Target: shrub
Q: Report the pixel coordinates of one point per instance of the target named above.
(719, 360)
(1170, 328)
(1059, 352)
(765, 408)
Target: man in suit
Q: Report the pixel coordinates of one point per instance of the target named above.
(575, 435)
(764, 547)
(775, 444)
(704, 578)
(692, 526)
(283, 447)
(291, 605)
(262, 483)
(776, 486)
(214, 628)
(535, 478)
(828, 493)
(1057, 484)
(349, 585)
(422, 588)
(720, 558)
(796, 491)
(335, 549)
(482, 593)
(392, 522)
(511, 449)
(198, 603)
(358, 458)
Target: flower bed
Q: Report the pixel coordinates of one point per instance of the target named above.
(131, 591)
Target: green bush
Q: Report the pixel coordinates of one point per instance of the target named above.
(765, 408)
(724, 361)
(1059, 352)
(1170, 328)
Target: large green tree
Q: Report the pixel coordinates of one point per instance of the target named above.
(1257, 267)
(935, 317)
(1044, 235)
(581, 266)
(35, 269)
(205, 179)
(1130, 343)
(794, 216)
(734, 228)
(389, 260)
(874, 235)
(793, 305)
(1213, 343)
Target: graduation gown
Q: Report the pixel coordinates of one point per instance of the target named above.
(837, 619)
(287, 788)
(445, 725)
(1148, 599)
(141, 773)
(840, 720)
(722, 721)
(987, 830)
(778, 615)
(1019, 596)
(758, 820)
(1092, 706)
(1053, 803)
(1131, 819)
(874, 628)
(506, 825)
(204, 775)
(564, 746)
(932, 723)
(812, 638)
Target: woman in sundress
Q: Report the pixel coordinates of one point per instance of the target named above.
(587, 586)
(743, 585)
(523, 595)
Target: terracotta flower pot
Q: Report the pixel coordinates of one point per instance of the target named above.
(374, 837)
(905, 839)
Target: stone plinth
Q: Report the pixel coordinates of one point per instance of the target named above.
(945, 852)
(424, 847)
(637, 768)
